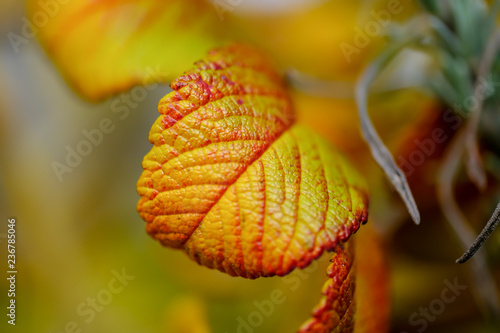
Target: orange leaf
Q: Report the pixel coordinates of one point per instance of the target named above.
(372, 284)
(234, 182)
(105, 47)
(356, 294)
(335, 311)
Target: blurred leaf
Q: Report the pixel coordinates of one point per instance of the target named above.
(333, 39)
(234, 182)
(372, 283)
(105, 47)
(187, 315)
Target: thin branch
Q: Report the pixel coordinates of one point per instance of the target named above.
(379, 151)
(466, 142)
(475, 168)
(446, 176)
(483, 236)
(458, 222)
(452, 211)
(474, 163)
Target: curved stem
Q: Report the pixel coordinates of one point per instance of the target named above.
(379, 151)
(474, 165)
(465, 142)
(458, 222)
(446, 175)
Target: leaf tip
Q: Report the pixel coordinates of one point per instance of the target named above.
(415, 215)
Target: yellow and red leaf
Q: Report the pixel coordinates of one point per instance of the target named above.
(234, 182)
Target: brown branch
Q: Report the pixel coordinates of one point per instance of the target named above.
(465, 142)
(475, 168)
(483, 236)
(458, 222)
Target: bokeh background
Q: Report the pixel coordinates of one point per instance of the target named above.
(74, 234)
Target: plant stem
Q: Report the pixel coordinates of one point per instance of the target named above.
(379, 151)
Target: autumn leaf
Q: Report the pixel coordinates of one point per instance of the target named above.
(105, 47)
(234, 182)
(335, 311)
(372, 294)
(355, 298)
